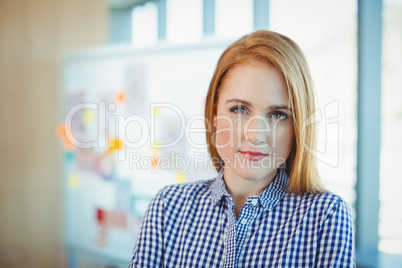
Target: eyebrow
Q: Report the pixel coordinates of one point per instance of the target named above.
(272, 107)
(239, 101)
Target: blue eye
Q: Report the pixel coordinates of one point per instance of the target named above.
(279, 116)
(239, 109)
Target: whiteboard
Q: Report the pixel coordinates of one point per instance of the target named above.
(127, 113)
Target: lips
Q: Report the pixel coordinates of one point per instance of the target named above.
(253, 156)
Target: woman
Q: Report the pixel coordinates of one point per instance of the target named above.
(267, 207)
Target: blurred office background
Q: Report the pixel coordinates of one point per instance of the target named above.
(57, 54)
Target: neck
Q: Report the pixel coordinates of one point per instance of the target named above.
(241, 189)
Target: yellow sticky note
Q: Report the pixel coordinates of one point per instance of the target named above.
(156, 110)
(155, 145)
(115, 145)
(61, 132)
(121, 97)
(74, 181)
(181, 177)
(88, 116)
(154, 161)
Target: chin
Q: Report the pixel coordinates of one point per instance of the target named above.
(255, 174)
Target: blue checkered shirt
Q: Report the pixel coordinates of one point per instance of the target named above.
(194, 225)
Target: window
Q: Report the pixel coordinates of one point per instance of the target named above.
(329, 44)
(144, 25)
(390, 231)
(234, 18)
(183, 20)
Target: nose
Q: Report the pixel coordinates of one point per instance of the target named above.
(256, 130)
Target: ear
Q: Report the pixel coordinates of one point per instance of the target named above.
(215, 122)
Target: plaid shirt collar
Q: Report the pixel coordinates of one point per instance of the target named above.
(269, 198)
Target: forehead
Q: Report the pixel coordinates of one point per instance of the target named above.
(257, 82)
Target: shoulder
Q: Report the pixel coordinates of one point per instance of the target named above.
(331, 203)
(186, 191)
(326, 200)
(321, 205)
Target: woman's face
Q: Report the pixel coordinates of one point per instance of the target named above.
(254, 128)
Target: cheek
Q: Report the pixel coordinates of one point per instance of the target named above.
(284, 140)
(224, 133)
(223, 142)
(223, 138)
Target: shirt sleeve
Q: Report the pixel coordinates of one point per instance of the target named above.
(148, 251)
(336, 245)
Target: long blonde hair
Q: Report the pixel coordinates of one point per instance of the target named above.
(284, 54)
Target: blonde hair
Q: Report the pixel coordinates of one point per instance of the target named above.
(282, 52)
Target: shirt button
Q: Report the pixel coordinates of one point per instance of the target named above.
(243, 221)
(254, 202)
